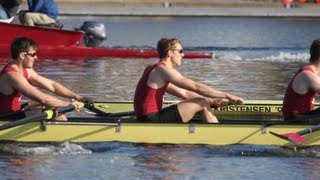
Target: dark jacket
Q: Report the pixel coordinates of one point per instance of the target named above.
(11, 6)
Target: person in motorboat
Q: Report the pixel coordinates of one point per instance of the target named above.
(18, 78)
(41, 13)
(304, 86)
(163, 77)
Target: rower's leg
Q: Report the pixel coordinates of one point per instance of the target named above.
(189, 108)
(61, 117)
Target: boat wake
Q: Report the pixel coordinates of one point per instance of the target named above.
(43, 149)
(286, 57)
(273, 54)
(236, 150)
(67, 148)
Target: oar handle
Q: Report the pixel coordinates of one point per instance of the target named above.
(65, 109)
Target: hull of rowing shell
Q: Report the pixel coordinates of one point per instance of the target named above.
(211, 134)
(250, 123)
(66, 44)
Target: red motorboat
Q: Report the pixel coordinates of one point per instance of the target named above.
(68, 44)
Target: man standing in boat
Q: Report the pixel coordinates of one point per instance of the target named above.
(18, 78)
(163, 77)
(298, 103)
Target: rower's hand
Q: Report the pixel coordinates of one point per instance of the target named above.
(218, 102)
(77, 105)
(235, 100)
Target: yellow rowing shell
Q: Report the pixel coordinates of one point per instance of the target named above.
(257, 119)
(107, 130)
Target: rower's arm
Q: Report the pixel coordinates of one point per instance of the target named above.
(181, 93)
(52, 86)
(185, 94)
(19, 83)
(174, 77)
(178, 80)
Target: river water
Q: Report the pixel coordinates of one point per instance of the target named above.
(255, 57)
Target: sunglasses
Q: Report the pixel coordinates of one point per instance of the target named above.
(31, 54)
(179, 50)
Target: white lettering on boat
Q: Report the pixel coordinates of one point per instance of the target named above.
(251, 108)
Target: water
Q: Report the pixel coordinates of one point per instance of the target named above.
(255, 57)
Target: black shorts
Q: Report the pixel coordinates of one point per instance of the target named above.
(166, 115)
(312, 117)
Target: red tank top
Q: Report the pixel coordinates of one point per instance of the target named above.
(294, 103)
(148, 100)
(12, 102)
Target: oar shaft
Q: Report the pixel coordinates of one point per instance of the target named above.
(309, 130)
(101, 113)
(127, 113)
(48, 114)
(24, 120)
(3, 116)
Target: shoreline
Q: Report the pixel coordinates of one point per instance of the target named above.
(185, 8)
(188, 11)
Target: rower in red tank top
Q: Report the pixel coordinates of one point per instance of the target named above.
(163, 77)
(148, 100)
(298, 103)
(11, 102)
(294, 103)
(19, 78)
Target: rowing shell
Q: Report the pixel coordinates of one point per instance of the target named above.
(110, 130)
(231, 130)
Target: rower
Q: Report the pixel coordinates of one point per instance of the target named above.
(162, 77)
(298, 103)
(18, 78)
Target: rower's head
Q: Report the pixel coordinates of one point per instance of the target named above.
(315, 51)
(23, 46)
(168, 44)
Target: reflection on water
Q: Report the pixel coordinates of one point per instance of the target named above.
(148, 161)
(20, 167)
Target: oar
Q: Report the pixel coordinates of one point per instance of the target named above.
(47, 114)
(297, 137)
(93, 110)
(3, 116)
(103, 114)
(23, 109)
